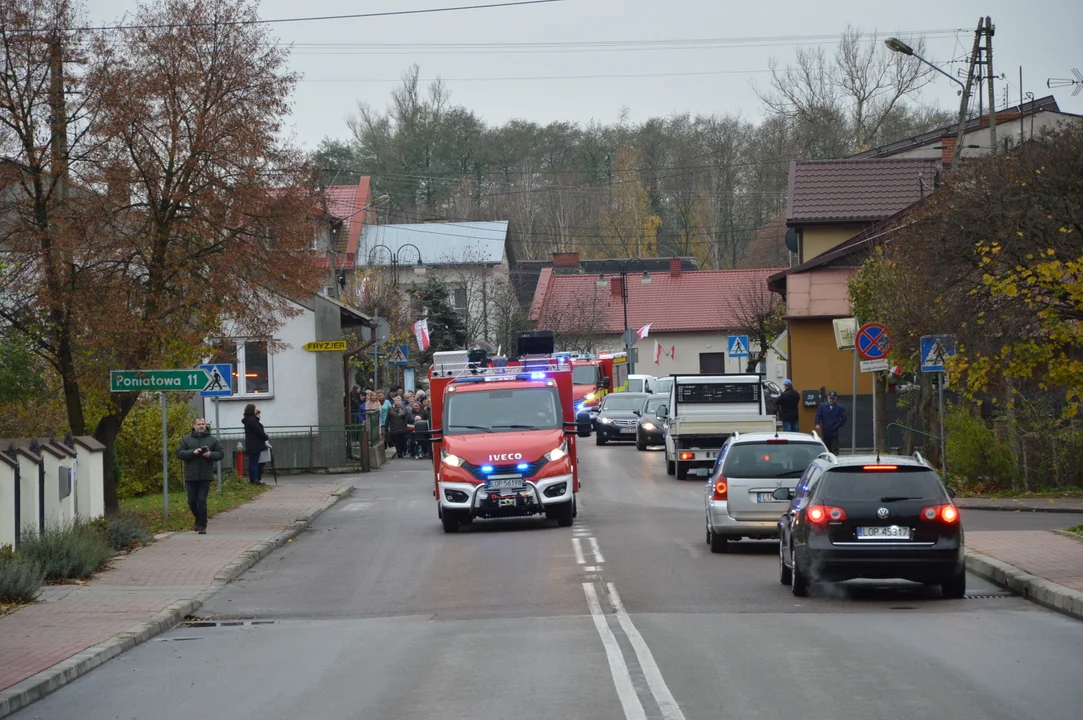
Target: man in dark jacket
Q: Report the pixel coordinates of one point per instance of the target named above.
(830, 418)
(199, 452)
(786, 404)
(396, 427)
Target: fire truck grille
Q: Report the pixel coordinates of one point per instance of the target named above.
(530, 471)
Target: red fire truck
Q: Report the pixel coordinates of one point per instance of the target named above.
(595, 377)
(503, 434)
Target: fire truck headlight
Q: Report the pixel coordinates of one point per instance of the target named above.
(557, 453)
(589, 397)
(452, 460)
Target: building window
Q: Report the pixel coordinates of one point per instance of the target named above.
(458, 298)
(251, 365)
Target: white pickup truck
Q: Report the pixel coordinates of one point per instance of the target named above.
(704, 410)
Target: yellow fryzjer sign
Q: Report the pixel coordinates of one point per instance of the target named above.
(330, 346)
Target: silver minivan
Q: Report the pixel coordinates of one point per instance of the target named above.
(738, 498)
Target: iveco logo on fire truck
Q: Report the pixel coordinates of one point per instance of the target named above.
(506, 456)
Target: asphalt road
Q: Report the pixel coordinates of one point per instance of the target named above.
(375, 613)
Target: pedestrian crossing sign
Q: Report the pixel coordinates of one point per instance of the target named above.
(935, 351)
(738, 346)
(219, 380)
(399, 355)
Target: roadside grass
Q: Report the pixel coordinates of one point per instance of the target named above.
(1076, 529)
(235, 492)
(972, 490)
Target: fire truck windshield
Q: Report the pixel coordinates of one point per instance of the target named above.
(584, 375)
(502, 410)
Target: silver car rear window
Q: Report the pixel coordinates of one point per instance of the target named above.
(770, 460)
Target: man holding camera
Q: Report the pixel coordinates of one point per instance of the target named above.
(199, 451)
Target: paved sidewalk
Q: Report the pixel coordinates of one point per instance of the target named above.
(1040, 565)
(75, 628)
(1054, 505)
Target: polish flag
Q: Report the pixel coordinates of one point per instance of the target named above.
(657, 353)
(421, 332)
(644, 331)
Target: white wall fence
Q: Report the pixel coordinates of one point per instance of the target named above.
(50, 482)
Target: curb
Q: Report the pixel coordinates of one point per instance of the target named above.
(1036, 589)
(1018, 508)
(38, 686)
(1068, 534)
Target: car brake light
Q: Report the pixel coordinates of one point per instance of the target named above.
(944, 513)
(721, 489)
(881, 468)
(687, 456)
(820, 514)
(777, 441)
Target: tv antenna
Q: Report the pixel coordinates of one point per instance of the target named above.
(1077, 81)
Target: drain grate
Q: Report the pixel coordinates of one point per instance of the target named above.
(998, 596)
(199, 623)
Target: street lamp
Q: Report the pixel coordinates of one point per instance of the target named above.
(622, 272)
(897, 45)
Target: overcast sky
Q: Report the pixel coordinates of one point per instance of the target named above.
(344, 61)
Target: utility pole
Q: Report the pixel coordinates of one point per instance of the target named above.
(989, 31)
(964, 103)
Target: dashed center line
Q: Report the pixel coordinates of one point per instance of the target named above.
(596, 550)
(578, 547)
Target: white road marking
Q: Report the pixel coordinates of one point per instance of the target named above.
(666, 702)
(590, 568)
(596, 550)
(355, 507)
(622, 680)
(578, 551)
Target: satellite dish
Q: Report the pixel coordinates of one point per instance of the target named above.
(791, 240)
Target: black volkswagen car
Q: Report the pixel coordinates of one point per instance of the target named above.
(871, 517)
(617, 416)
(649, 427)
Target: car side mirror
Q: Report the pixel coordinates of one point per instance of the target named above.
(637, 413)
(661, 412)
(607, 384)
(782, 494)
(583, 423)
(951, 493)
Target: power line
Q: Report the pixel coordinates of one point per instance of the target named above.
(260, 21)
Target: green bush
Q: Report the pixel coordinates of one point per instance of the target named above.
(974, 453)
(126, 532)
(68, 552)
(20, 580)
(139, 446)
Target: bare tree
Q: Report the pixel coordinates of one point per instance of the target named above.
(759, 313)
(844, 100)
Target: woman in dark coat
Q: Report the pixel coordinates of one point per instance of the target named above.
(255, 441)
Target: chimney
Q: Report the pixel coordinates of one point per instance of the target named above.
(615, 286)
(675, 267)
(947, 153)
(566, 260)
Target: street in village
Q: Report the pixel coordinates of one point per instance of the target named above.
(374, 612)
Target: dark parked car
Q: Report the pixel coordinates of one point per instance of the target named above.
(617, 416)
(649, 427)
(870, 517)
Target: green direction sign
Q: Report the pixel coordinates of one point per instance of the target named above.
(193, 380)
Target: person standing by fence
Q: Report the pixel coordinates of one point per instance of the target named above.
(255, 442)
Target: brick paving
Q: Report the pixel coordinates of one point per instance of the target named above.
(140, 585)
(1038, 552)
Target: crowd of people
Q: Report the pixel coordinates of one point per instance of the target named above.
(399, 410)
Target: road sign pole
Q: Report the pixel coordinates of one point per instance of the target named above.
(165, 459)
(853, 409)
(943, 439)
(217, 436)
(875, 445)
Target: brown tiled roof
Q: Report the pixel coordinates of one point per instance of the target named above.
(345, 203)
(696, 301)
(846, 191)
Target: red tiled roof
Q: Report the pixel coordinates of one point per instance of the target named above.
(696, 301)
(856, 190)
(343, 203)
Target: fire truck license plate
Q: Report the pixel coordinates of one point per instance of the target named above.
(509, 482)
